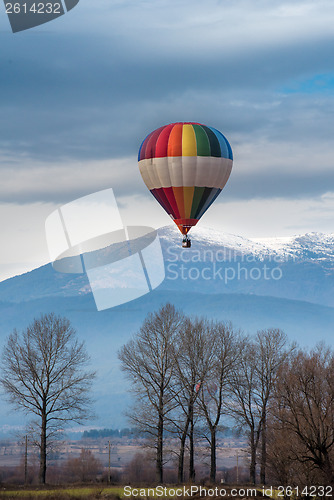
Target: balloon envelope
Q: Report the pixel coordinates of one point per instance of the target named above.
(185, 166)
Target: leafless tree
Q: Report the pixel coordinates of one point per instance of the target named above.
(305, 391)
(245, 405)
(149, 362)
(271, 351)
(44, 372)
(83, 468)
(214, 389)
(284, 450)
(193, 356)
(252, 385)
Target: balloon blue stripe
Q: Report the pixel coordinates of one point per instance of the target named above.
(226, 150)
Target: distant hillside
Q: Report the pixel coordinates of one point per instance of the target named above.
(301, 301)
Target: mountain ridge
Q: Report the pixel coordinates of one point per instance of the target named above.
(300, 302)
(309, 249)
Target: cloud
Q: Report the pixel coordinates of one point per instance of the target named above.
(175, 23)
(63, 182)
(23, 240)
(281, 148)
(271, 217)
(79, 95)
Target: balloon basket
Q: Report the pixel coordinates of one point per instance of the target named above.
(186, 242)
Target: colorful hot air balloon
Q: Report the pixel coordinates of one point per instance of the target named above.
(185, 166)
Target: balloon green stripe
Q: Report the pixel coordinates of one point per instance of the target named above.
(208, 202)
(214, 143)
(205, 196)
(202, 141)
(198, 193)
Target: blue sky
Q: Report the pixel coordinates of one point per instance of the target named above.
(80, 93)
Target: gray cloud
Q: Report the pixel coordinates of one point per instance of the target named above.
(91, 97)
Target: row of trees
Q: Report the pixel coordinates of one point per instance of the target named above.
(188, 373)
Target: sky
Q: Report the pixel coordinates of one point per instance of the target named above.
(79, 94)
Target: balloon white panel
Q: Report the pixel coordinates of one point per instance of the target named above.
(175, 169)
(189, 167)
(162, 172)
(226, 172)
(201, 171)
(145, 174)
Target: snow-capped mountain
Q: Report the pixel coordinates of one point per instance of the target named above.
(255, 283)
(297, 261)
(312, 246)
(298, 268)
(307, 246)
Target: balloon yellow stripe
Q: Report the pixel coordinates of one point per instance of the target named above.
(189, 147)
(188, 200)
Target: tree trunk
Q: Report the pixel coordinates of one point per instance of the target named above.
(327, 468)
(181, 457)
(182, 448)
(213, 455)
(42, 462)
(192, 472)
(159, 462)
(263, 451)
(252, 467)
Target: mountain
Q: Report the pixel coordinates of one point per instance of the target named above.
(300, 268)
(278, 282)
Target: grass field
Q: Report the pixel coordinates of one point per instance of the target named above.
(87, 493)
(117, 493)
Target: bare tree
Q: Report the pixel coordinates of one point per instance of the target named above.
(44, 372)
(193, 356)
(84, 468)
(305, 391)
(253, 383)
(149, 361)
(284, 451)
(246, 402)
(214, 389)
(271, 351)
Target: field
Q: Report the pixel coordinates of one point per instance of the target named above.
(122, 451)
(129, 464)
(117, 493)
(76, 493)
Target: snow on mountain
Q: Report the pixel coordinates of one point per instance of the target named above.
(311, 245)
(297, 268)
(303, 264)
(211, 238)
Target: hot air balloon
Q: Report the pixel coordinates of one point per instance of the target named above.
(185, 166)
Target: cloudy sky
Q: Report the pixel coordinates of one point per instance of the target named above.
(79, 94)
